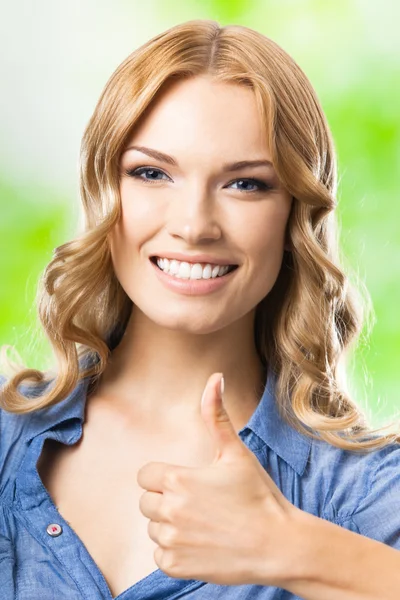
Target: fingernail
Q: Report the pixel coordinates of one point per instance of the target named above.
(222, 386)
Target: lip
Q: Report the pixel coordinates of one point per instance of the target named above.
(192, 287)
(195, 258)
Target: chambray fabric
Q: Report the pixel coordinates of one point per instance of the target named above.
(360, 492)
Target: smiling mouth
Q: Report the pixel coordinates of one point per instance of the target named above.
(230, 269)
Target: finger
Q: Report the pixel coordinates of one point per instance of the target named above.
(150, 505)
(153, 530)
(217, 419)
(151, 476)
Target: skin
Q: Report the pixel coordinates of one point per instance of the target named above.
(174, 344)
(173, 339)
(350, 567)
(228, 523)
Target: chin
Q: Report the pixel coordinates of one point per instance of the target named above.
(187, 323)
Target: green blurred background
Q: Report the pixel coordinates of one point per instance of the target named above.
(55, 59)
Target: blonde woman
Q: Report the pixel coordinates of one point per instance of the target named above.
(134, 469)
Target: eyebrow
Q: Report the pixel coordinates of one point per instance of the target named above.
(170, 160)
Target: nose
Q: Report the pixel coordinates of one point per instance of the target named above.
(192, 217)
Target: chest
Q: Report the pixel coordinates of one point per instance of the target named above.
(94, 486)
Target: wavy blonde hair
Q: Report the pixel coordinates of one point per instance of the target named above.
(304, 326)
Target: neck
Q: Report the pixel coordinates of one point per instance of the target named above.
(162, 373)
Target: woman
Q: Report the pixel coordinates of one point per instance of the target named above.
(208, 180)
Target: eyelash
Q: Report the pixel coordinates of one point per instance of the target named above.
(135, 173)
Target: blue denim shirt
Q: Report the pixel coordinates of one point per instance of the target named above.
(360, 492)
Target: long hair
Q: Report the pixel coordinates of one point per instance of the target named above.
(304, 327)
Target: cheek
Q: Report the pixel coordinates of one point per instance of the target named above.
(137, 223)
(265, 235)
(266, 247)
(122, 241)
(138, 205)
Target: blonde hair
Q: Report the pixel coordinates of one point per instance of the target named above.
(305, 326)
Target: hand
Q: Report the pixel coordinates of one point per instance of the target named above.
(227, 523)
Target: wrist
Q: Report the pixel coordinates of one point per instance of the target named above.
(325, 560)
(303, 546)
(301, 556)
(287, 555)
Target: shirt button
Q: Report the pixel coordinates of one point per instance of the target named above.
(54, 529)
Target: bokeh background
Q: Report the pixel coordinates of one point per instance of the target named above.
(55, 58)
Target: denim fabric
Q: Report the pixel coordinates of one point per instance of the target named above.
(360, 492)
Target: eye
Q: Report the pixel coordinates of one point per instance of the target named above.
(261, 186)
(136, 173)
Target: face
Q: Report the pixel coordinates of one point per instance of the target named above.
(191, 203)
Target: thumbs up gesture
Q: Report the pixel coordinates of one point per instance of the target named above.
(227, 523)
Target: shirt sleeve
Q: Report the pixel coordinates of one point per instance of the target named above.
(378, 514)
(12, 448)
(7, 561)
(7, 566)
(2, 382)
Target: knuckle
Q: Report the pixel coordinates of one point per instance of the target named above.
(168, 537)
(174, 509)
(170, 512)
(142, 501)
(166, 561)
(151, 531)
(171, 478)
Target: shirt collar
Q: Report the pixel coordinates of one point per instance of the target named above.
(266, 422)
(71, 407)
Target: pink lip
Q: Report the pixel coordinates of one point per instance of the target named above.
(191, 287)
(195, 258)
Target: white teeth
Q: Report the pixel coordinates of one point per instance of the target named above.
(196, 271)
(207, 272)
(173, 267)
(185, 270)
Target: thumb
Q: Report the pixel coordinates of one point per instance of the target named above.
(217, 419)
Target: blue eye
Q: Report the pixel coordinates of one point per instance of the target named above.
(136, 173)
(261, 185)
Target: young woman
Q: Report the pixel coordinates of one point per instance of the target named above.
(208, 181)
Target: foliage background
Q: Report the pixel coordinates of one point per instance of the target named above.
(55, 58)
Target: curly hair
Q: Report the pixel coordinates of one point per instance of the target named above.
(312, 316)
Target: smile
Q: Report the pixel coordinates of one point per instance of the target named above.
(190, 286)
(186, 270)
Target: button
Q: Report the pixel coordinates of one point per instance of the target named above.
(54, 529)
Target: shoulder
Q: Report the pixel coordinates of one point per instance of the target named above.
(360, 491)
(14, 431)
(11, 424)
(378, 513)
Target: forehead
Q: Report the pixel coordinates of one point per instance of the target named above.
(203, 113)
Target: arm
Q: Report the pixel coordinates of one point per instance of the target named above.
(334, 563)
(328, 561)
